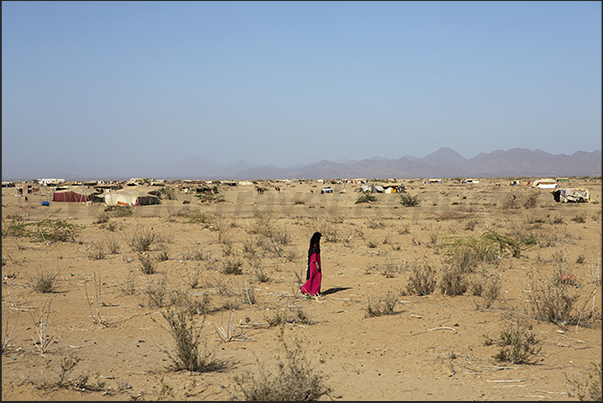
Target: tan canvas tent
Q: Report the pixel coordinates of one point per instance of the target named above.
(130, 197)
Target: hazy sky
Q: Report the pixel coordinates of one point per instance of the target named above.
(297, 82)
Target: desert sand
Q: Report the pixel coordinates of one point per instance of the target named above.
(107, 312)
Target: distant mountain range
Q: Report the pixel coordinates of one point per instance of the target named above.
(443, 163)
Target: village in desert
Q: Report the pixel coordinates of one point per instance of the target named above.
(432, 289)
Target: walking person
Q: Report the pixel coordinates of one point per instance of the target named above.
(314, 269)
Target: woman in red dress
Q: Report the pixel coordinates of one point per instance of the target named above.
(314, 270)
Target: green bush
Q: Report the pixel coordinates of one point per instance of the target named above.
(409, 201)
(365, 197)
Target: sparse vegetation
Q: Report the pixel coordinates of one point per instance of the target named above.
(409, 201)
(518, 343)
(192, 353)
(382, 306)
(296, 379)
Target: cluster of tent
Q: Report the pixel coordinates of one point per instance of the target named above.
(132, 196)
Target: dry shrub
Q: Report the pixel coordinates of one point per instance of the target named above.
(147, 264)
(113, 246)
(531, 200)
(556, 302)
(290, 315)
(296, 379)
(588, 388)
(467, 254)
(422, 280)
(97, 251)
(43, 281)
(190, 354)
(487, 287)
(157, 293)
(453, 281)
(141, 238)
(518, 343)
(232, 266)
(509, 202)
(383, 306)
(128, 286)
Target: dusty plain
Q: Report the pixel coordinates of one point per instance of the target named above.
(104, 308)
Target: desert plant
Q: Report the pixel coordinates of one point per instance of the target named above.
(141, 238)
(531, 200)
(232, 266)
(365, 197)
(120, 211)
(486, 287)
(453, 281)
(383, 306)
(42, 339)
(518, 343)
(296, 379)
(96, 317)
(128, 286)
(44, 281)
(513, 243)
(556, 302)
(113, 246)
(409, 201)
(157, 293)
(8, 333)
(193, 278)
(291, 315)
(588, 388)
(163, 256)
(97, 251)
(510, 202)
(147, 264)
(470, 224)
(579, 218)
(102, 218)
(422, 280)
(190, 355)
(468, 253)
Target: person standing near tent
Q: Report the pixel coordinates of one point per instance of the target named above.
(314, 269)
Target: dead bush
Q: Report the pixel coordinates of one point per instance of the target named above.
(518, 343)
(141, 238)
(191, 353)
(382, 306)
(43, 281)
(453, 281)
(296, 379)
(422, 280)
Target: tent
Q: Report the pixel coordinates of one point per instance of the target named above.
(130, 197)
(75, 194)
(571, 195)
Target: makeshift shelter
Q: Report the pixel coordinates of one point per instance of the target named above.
(130, 197)
(546, 183)
(80, 194)
(571, 195)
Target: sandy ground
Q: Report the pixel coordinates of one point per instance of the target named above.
(434, 347)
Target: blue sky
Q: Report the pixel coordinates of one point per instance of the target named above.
(296, 82)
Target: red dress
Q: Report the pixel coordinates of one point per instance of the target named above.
(312, 286)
